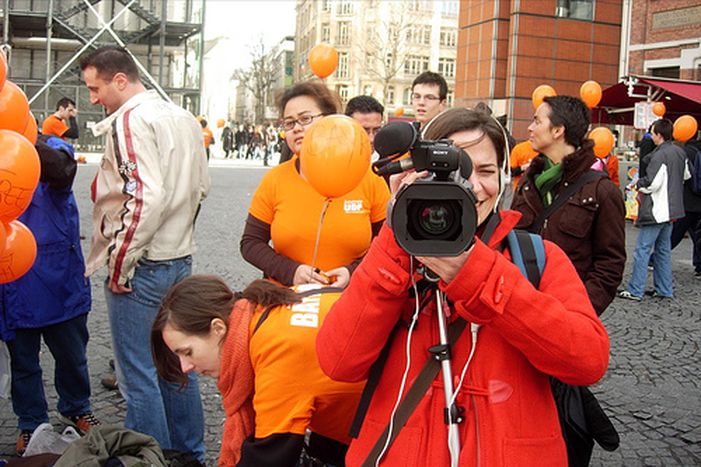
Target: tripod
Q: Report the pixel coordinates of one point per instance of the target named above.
(441, 352)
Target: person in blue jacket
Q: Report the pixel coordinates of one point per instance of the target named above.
(51, 300)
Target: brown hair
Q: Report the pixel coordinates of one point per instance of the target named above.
(192, 304)
(328, 101)
(460, 119)
(110, 60)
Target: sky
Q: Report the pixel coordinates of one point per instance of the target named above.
(244, 21)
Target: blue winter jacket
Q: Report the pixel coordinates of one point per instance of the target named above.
(55, 289)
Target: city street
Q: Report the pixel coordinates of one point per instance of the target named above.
(652, 388)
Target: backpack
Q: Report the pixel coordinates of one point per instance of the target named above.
(693, 161)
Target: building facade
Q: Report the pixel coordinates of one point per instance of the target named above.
(508, 48)
(382, 45)
(165, 36)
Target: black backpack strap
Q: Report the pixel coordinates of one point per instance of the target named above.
(562, 198)
(306, 293)
(413, 396)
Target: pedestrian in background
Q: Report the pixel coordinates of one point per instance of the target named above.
(147, 192)
(62, 123)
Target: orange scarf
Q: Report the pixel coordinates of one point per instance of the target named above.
(236, 384)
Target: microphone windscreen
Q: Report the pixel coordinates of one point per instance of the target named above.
(394, 139)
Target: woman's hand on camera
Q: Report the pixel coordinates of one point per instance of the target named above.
(446, 267)
(397, 181)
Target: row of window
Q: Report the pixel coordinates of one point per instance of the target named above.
(420, 35)
(345, 7)
(413, 65)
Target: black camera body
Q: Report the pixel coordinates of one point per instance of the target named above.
(436, 215)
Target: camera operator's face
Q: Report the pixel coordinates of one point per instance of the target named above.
(485, 172)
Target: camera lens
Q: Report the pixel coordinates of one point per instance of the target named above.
(434, 219)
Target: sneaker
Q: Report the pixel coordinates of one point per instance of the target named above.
(697, 274)
(629, 296)
(23, 441)
(83, 423)
(658, 295)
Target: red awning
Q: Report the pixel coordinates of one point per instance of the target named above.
(618, 101)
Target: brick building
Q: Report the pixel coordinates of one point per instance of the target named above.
(507, 48)
(665, 39)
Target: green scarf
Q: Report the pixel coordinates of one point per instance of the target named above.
(548, 180)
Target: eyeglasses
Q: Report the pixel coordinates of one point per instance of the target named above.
(304, 120)
(428, 97)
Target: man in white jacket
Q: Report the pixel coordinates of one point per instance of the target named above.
(147, 191)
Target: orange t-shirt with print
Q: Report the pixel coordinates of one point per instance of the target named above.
(54, 126)
(291, 392)
(292, 208)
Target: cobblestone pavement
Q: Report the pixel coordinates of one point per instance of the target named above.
(651, 389)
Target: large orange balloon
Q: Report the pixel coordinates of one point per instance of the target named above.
(523, 152)
(659, 109)
(603, 141)
(20, 252)
(31, 131)
(540, 93)
(685, 128)
(335, 155)
(3, 69)
(323, 60)
(399, 111)
(19, 174)
(590, 92)
(3, 236)
(14, 108)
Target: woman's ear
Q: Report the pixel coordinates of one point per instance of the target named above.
(218, 327)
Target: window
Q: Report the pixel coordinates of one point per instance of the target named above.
(343, 91)
(367, 90)
(369, 61)
(325, 33)
(419, 5)
(449, 37)
(575, 9)
(446, 67)
(344, 29)
(450, 8)
(389, 61)
(326, 5)
(665, 72)
(419, 35)
(406, 96)
(449, 97)
(415, 64)
(345, 7)
(390, 95)
(343, 68)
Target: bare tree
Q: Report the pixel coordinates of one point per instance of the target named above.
(259, 77)
(388, 45)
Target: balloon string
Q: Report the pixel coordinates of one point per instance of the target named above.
(327, 202)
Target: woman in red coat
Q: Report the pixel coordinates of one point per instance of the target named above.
(519, 334)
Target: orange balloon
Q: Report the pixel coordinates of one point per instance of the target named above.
(685, 128)
(19, 174)
(659, 109)
(540, 93)
(603, 141)
(3, 69)
(523, 152)
(323, 60)
(282, 134)
(14, 108)
(31, 131)
(221, 123)
(20, 252)
(335, 155)
(3, 237)
(399, 111)
(590, 92)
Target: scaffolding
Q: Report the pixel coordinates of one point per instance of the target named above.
(45, 38)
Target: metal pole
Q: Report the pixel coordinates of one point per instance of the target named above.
(447, 373)
(201, 70)
(79, 53)
(122, 44)
(6, 22)
(162, 40)
(49, 36)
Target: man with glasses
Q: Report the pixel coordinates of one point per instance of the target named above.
(368, 112)
(428, 97)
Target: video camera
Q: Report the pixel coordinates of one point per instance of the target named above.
(434, 216)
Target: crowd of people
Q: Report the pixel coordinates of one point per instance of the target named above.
(333, 357)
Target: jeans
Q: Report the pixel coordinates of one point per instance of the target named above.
(154, 407)
(690, 223)
(658, 236)
(66, 342)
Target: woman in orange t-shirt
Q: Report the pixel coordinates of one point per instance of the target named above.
(260, 346)
(286, 210)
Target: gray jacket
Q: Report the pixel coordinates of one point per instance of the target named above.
(662, 186)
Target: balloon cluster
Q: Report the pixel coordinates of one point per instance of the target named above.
(19, 177)
(590, 92)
